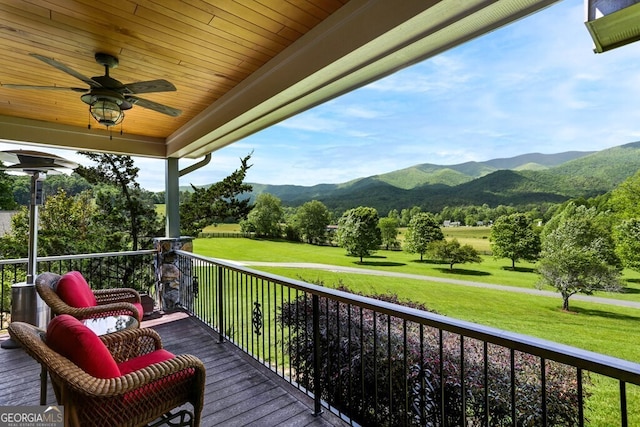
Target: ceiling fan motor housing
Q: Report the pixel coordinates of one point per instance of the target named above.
(106, 60)
(106, 95)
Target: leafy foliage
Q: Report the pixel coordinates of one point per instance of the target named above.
(130, 210)
(389, 232)
(312, 218)
(627, 236)
(578, 253)
(358, 231)
(513, 237)
(372, 365)
(422, 230)
(266, 216)
(219, 202)
(6, 197)
(67, 225)
(453, 253)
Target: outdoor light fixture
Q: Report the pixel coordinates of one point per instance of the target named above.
(107, 107)
(613, 23)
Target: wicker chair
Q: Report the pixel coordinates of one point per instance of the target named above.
(138, 398)
(110, 302)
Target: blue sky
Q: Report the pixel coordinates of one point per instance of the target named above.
(533, 86)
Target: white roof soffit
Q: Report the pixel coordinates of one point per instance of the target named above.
(362, 42)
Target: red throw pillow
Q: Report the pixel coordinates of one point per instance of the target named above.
(145, 360)
(73, 289)
(73, 340)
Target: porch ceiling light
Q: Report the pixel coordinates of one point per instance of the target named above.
(106, 107)
(613, 23)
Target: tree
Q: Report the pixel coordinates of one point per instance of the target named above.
(312, 219)
(452, 252)
(627, 237)
(114, 212)
(625, 200)
(67, 225)
(389, 232)
(130, 211)
(219, 202)
(358, 231)
(513, 237)
(267, 215)
(6, 195)
(578, 254)
(422, 230)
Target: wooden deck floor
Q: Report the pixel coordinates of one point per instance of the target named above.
(239, 391)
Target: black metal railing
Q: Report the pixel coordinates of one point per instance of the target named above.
(133, 269)
(377, 363)
(374, 362)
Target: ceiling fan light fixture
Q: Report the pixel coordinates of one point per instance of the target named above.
(106, 112)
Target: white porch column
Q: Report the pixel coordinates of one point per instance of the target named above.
(172, 198)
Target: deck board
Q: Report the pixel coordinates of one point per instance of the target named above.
(238, 391)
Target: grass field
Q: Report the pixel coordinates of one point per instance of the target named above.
(605, 329)
(533, 315)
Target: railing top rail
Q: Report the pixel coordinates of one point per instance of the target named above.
(594, 362)
(79, 256)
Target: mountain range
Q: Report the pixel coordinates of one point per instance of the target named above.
(517, 181)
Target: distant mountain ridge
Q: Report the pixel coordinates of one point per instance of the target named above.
(521, 180)
(427, 173)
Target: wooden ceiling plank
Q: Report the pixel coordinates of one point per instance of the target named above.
(48, 35)
(185, 69)
(179, 7)
(184, 49)
(129, 29)
(234, 11)
(148, 30)
(328, 6)
(31, 67)
(311, 8)
(268, 29)
(254, 37)
(285, 12)
(179, 26)
(29, 7)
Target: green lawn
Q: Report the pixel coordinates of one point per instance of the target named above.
(222, 228)
(490, 270)
(533, 315)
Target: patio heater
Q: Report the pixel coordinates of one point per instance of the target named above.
(26, 305)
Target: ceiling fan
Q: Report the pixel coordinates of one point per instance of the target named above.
(107, 97)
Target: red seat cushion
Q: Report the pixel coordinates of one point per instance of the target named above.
(145, 360)
(73, 289)
(140, 309)
(73, 340)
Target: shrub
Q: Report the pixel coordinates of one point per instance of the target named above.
(384, 371)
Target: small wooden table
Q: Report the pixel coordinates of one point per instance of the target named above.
(101, 326)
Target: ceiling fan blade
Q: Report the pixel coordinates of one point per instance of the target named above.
(75, 89)
(174, 112)
(60, 66)
(151, 86)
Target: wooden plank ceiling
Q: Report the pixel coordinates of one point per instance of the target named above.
(238, 65)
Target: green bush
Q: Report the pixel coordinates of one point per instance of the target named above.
(383, 371)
